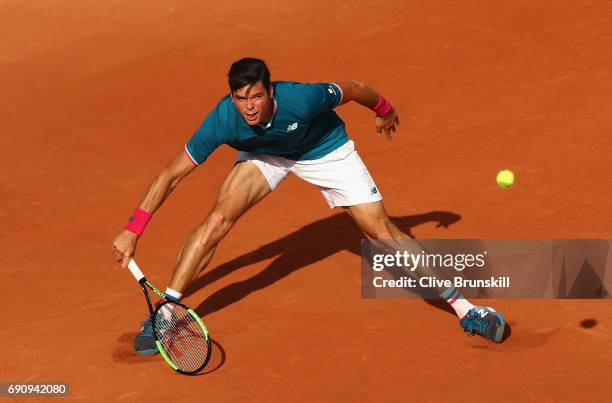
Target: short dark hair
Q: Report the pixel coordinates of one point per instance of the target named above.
(248, 71)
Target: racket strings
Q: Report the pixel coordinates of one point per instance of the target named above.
(181, 337)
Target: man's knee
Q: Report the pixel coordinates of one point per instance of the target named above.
(215, 227)
(382, 230)
(378, 228)
(218, 218)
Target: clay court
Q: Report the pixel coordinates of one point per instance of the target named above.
(98, 96)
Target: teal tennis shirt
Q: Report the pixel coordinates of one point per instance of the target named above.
(304, 125)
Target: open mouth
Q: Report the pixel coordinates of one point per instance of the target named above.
(252, 116)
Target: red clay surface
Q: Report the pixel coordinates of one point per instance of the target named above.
(97, 96)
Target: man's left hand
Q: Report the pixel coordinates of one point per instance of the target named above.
(388, 123)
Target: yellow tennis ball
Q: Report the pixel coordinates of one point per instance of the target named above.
(505, 178)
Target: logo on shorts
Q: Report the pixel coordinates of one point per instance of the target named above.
(373, 191)
(292, 127)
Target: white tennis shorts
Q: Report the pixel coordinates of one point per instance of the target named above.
(341, 175)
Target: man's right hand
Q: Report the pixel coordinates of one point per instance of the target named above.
(124, 247)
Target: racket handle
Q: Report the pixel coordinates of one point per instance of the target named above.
(135, 270)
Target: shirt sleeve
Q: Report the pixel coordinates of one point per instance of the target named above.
(206, 138)
(324, 97)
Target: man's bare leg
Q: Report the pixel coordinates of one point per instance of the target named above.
(244, 187)
(374, 222)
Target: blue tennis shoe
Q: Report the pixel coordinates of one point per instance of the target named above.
(144, 343)
(484, 321)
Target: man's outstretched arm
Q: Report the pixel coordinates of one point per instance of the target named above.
(157, 192)
(386, 116)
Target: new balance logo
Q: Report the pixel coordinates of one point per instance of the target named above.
(292, 127)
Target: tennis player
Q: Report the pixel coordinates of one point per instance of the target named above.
(280, 128)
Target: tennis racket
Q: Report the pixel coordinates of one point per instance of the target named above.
(180, 335)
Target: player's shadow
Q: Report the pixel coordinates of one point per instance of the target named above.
(310, 244)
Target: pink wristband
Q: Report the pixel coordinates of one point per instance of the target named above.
(138, 221)
(382, 107)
